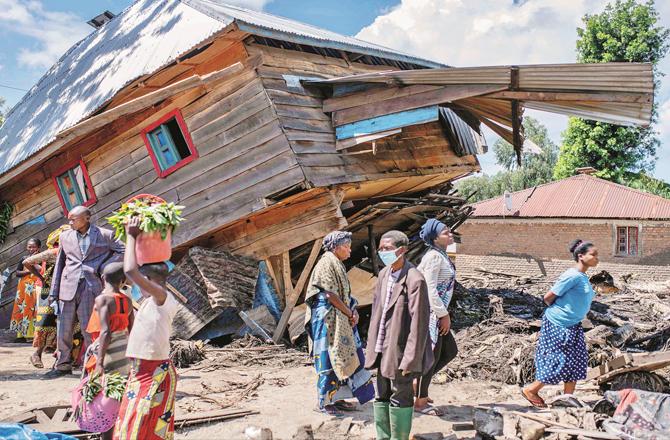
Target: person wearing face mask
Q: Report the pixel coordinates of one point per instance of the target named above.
(398, 340)
(440, 275)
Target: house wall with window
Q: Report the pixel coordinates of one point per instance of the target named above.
(642, 242)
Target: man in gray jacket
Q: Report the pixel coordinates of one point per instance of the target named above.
(398, 339)
(83, 253)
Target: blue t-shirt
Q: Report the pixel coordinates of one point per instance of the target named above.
(574, 295)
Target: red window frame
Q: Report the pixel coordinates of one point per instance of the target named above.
(87, 180)
(176, 114)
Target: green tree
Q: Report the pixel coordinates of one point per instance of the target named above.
(625, 31)
(536, 166)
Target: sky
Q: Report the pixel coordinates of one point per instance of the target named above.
(35, 33)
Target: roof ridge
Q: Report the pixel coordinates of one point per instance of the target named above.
(628, 188)
(301, 23)
(581, 177)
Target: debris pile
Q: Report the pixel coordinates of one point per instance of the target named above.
(186, 353)
(497, 318)
(250, 351)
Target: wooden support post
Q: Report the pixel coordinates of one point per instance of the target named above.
(271, 272)
(372, 251)
(275, 267)
(517, 137)
(295, 293)
(286, 275)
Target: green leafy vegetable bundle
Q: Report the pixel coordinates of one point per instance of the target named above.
(162, 217)
(114, 387)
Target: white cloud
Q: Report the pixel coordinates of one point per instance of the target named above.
(53, 32)
(492, 32)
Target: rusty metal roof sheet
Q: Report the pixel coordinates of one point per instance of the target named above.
(580, 196)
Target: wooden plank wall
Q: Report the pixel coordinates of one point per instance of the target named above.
(311, 133)
(244, 158)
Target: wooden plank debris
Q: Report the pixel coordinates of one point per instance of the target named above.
(583, 433)
(629, 362)
(295, 293)
(213, 416)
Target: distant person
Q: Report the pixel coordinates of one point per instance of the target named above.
(398, 340)
(440, 275)
(331, 322)
(84, 251)
(25, 304)
(148, 405)
(561, 354)
(42, 266)
(109, 325)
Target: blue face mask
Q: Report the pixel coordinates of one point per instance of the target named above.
(388, 257)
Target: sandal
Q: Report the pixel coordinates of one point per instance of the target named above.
(36, 361)
(429, 410)
(330, 410)
(536, 403)
(343, 405)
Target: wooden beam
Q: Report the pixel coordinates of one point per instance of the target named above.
(372, 251)
(286, 273)
(276, 264)
(412, 101)
(516, 130)
(290, 301)
(273, 277)
(372, 96)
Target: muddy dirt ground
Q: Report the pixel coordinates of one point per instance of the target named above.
(283, 396)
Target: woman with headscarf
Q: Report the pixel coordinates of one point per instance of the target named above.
(45, 322)
(331, 325)
(440, 275)
(24, 311)
(561, 354)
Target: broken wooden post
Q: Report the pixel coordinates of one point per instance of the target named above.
(372, 251)
(292, 298)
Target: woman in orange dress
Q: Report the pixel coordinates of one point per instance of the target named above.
(25, 304)
(42, 264)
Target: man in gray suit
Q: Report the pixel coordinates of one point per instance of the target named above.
(83, 253)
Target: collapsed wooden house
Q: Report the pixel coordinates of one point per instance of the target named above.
(271, 132)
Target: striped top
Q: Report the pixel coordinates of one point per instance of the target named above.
(393, 277)
(437, 269)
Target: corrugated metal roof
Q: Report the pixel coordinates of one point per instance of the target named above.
(146, 36)
(580, 196)
(462, 138)
(618, 93)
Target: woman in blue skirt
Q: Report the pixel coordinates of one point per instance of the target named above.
(561, 354)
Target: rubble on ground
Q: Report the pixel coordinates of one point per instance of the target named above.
(497, 318)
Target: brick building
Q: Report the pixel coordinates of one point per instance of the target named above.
(627, 225)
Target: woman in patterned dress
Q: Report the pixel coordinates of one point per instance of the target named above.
(561, 354)
(331, 325)
(42, 264)
(25, 303)
(440, 275)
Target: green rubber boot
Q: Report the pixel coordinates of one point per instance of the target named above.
(401, 422)
(382, 422)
